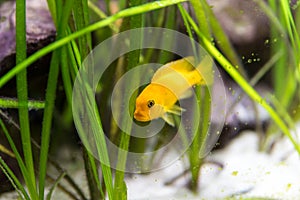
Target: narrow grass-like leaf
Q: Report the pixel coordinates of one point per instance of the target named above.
(284, 86)
(102, 151)
(50, 99)
(22, 93)
(49, 195)
(14, 103)
(131, 59)
(81, 20)
(65, 72)
(94, 168)
(47, 119)
(102, 15)
(291, 27)
(3, 149)
(201, 17)
(52, 8)
(29, 182)
(221, 38)
(13, 179)
(92, 175)
(195, 157)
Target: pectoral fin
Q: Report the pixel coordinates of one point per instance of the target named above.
(167, 116)
(176, 110)
(169, 119)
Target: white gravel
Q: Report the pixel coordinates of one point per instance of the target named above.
(247, 172)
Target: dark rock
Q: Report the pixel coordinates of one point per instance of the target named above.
(40, 30)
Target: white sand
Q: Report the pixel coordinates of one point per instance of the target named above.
(246, 173)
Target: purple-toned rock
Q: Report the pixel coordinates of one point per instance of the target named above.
(40, 30)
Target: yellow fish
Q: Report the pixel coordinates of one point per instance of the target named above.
(171, 82)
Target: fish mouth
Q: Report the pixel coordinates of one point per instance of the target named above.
(140, 117)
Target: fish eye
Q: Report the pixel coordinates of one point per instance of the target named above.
(150, 103)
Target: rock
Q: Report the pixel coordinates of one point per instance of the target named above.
(40, 30)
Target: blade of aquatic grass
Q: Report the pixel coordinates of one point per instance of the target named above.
(157, 18)
(209, 25)
(103, 152)
(195, 157)
(64, 189)
(52, 8)
(102, 15)
(52, 161)
(81, 20)
(281, 110)
(188, 28)
(29, 182)
(95, 173)
(49, 195)
(74, 56)
(14, 103)
(50, 98)
(205, 111)
(3, 149)
(264, 69)
(131, 59)
(13, 180)
(65, 72)
(194, 154)
(92, 176)
(201, 17)
(281, 28)
(161, 18)
(170, 22)
(221, 38)
(107, 3)
(68, 178)
(297, 19)
(22, 93)
(282, 84)
(93, 129)
(61, 170)
(122, 4)
(271, 15)
(291, 27)
(47, 119)
(294, 38)
(105, 22)
(252, 93)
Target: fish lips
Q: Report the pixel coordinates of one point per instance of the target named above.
(140, 117)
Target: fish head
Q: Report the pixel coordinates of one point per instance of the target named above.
(148, 106)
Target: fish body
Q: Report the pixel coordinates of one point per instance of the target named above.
(171, 82)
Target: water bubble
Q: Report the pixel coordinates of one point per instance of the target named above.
(267, 41)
